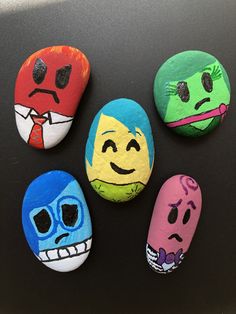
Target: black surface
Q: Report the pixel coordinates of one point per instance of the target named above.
(125, 41)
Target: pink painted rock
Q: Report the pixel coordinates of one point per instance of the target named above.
(48, 89)
(173, 224)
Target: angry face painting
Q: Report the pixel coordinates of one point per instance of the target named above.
(48, 89)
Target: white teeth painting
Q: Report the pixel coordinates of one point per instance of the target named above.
(56, 221)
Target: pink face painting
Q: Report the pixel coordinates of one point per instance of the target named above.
(173, 224)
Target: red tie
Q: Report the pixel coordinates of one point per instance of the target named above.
(36, 134)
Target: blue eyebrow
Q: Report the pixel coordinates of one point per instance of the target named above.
(109, 131)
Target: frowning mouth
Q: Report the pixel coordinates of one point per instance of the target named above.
(45, 91)
(201, 102)
(120, 170)
(175, 236)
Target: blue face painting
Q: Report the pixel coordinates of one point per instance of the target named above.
(56, 221)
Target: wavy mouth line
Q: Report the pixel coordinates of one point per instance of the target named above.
(65, 251)
(220, 111)
(120, 170)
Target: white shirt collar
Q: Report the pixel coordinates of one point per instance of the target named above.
(52, 116)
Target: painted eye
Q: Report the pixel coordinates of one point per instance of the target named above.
(183, 91)
(39, 71)
(107, 144)
(69, 214)
(42, 221)
(173, 215)
(63, 76)
(133, 143)
(186, 216)
(207, 82)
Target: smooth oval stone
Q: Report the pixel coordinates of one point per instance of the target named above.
(192, 93)
(173, 224)
(56, 221)
(48, 89)
(119, 151)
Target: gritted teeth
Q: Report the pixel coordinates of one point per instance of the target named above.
(65, 251)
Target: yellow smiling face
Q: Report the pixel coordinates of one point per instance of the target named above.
(119, 156)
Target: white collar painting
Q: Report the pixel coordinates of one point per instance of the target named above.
(54, 125)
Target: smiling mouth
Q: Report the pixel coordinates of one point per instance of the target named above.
(176, 236)
(65, 251)
(45, 91)
(201, 102)
(120, 170)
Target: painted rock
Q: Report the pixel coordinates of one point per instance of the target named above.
(173, 224)
(192, 93)
(48, 89)
(56, 221)
(119, 151)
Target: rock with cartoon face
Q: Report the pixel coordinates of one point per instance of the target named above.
(192, 93)
(173, 224)
(119, 151)
(48, 89)
(56, 221)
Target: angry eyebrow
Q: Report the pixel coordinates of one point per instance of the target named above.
(176, 204)
(191, 203)
(109, 131)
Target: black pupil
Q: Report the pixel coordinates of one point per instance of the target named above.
(207, 82)
(186, 216)
(133, 143)
(39, 71)
(69, 214)
(42, 221)
(173, 215)
(107, 144)
(183, 91)
(63, 76)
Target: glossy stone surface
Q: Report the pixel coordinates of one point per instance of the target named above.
(173, 223)
(48, 89)
(56, 221)
(119, 151)
(192, 93)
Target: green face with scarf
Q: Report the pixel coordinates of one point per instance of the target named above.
(192, 93)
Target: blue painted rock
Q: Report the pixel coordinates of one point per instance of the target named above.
(120, 150)
(48, 89)
(173, 224)
(56, 221)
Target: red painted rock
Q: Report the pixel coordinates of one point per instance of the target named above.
(48, 89)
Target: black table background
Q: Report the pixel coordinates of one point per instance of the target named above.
(125, 42)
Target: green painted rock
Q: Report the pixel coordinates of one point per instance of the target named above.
(192, 93)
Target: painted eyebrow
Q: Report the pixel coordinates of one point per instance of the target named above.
(136, 132)
(205, 69)
(192, 204)
(176, 204)
(109, 131)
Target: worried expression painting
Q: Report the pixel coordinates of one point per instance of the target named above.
(173, 224)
